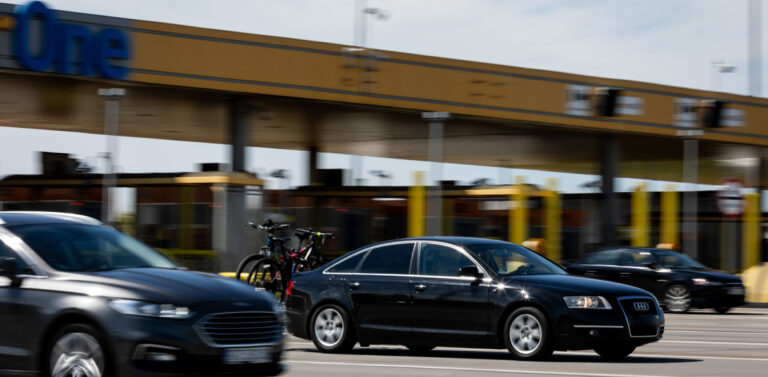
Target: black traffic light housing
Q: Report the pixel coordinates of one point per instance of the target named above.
(604, 101)
(710, 112)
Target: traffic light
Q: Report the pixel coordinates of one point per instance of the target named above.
(604, 101)
(709, 113)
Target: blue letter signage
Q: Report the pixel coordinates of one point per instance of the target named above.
(67, 47)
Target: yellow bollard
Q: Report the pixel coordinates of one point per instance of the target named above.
(554, 222)
(750, 249)
(417, 200)
(669, 217)
(640, 221)
(518, 212)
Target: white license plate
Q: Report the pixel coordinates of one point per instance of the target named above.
(251, 355)
(736, 291)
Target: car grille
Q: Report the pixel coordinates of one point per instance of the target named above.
(240, 328)
(641, 314)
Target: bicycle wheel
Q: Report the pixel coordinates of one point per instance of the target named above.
(246, 265)
(265, 274)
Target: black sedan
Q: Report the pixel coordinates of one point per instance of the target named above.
(78, 298)
(678, 281)
(467, 292)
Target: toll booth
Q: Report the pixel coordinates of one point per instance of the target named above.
(183, 215)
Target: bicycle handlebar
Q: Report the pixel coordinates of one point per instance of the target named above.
(301, 232)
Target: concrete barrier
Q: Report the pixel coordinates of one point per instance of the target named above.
(756, 283)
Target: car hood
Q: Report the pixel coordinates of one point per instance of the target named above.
(179, 287)
(574, 285)
(714, 275)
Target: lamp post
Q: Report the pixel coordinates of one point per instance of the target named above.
(112, 98)
(362, 11)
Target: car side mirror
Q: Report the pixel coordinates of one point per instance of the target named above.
(8, 267)
(470, 271)
(651, 265)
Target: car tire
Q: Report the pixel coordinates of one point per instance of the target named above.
(76, 350)
(419, 349)
(526, 334)
(614, 351)
(722, 309)
(332, 330)
(677, 298)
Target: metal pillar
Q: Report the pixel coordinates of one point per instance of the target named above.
(608, 160)
(112, 98)
(235, 202)
(690, 199)
(435, 202)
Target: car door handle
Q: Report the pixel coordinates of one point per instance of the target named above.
(354, 285)
(625, 274)
(590, 273)
(419, 287)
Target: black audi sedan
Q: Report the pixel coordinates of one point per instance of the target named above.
(678, 281)
(78, 298)
(467, 292)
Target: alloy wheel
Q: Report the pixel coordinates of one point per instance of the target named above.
(77, 354)
(677, 299)
(329, 327)
(525, 334)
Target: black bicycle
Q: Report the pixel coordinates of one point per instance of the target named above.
(258, 267)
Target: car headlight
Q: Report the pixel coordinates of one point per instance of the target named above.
(703, 281)
(148, 309)
(586, 302)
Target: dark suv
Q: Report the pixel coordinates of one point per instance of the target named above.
(678, 281)
(78, 298)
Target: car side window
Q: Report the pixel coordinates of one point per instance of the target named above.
(635, 258)
(439, 260)
(390, 259)
(348, 265)
(601, 257)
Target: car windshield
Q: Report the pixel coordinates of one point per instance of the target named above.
(83, 248)
(511, 259)
(671, 259)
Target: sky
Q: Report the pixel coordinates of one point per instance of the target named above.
(671, 42)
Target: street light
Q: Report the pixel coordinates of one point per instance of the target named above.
(719, 67)
(112, 98)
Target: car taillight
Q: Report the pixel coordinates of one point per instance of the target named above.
(289, 288)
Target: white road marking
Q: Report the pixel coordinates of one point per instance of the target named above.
(487, 370)
(692, 357)
(709, 342)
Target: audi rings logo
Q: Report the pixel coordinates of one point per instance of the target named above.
(641, 306)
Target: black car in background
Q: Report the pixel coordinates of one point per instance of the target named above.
(677, 281)
(467, 292)
(78, 298)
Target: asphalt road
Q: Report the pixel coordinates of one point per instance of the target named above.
(700, 343)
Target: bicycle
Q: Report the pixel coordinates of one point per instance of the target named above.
(274, 271)
(274, 250)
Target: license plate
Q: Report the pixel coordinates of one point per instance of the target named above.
(736, 291)
(251, 355)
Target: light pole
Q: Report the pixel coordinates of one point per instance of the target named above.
(112, 98)
(362, 11)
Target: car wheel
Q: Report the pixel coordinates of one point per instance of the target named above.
(331, 329)
(722, 309)
(419, 349)
(614, 351)
(526, 334)
(76, 350)
(677, 298)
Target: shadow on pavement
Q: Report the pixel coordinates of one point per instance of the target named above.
(504, 355)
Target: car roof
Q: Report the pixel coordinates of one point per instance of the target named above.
(633, 248)
(11, 218)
